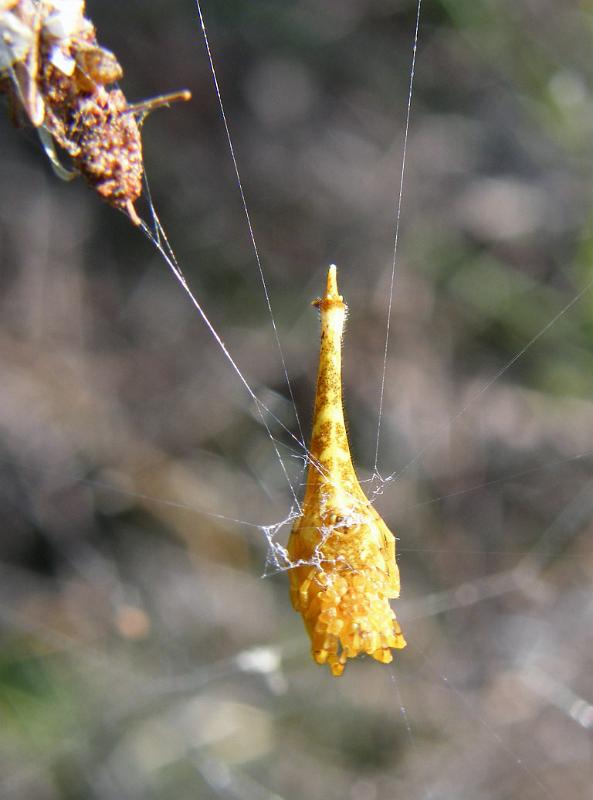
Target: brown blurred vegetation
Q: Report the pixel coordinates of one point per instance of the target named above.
(142, 654)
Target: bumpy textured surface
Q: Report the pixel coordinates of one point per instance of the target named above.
(91, 122)
(56, 74)
(344, 555)
(110, 145)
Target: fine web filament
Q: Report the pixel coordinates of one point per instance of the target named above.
(171, 262)
(407, 723)
(170, 257)
(248, 219)
(396, 238)
(471, 712)
(396, 474)
(160, 241)
(493, 734)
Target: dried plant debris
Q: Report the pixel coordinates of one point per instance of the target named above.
(57, 77)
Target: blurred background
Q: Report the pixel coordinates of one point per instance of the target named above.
(143, 655)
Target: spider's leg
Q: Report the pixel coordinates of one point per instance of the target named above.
(50, 150)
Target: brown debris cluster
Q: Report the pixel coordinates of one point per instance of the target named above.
(55, 71)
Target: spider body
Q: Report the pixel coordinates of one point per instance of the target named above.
(344, 571)
(54, 70)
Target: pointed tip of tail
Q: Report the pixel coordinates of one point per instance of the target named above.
(331, 291)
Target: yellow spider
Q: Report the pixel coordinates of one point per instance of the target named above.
(344, 571)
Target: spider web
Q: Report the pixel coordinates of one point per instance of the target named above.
(540, 651)
(493, 585)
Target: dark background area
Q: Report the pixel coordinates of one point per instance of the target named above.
(142, 653)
